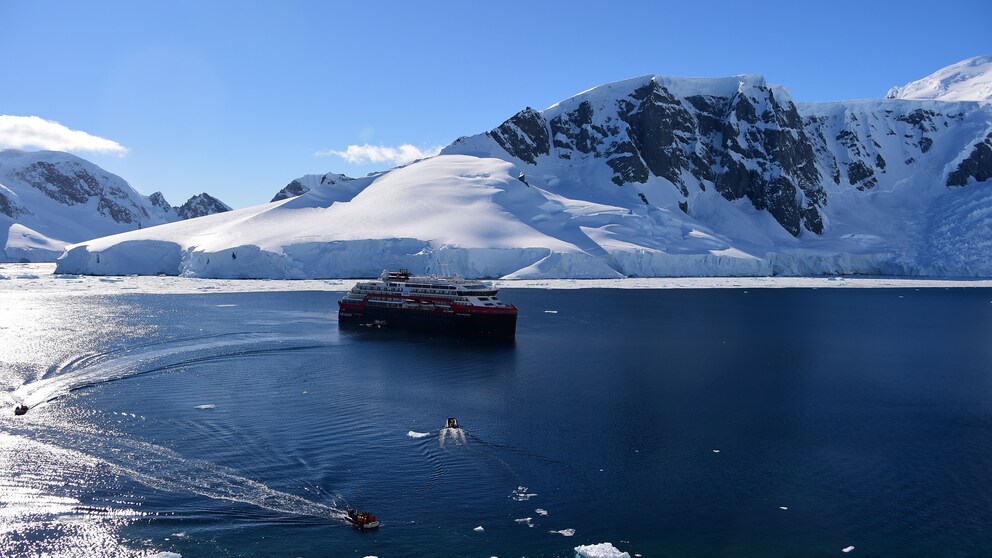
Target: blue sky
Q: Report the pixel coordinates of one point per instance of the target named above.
(239, 98)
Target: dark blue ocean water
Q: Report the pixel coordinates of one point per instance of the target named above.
(670, 423)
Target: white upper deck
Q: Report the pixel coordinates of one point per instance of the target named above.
(457, 289)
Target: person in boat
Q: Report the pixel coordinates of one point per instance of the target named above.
(452, 422)
(362, 519)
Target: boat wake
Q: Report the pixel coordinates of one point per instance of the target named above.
(163, 469)
(93, 369)
(452, 435)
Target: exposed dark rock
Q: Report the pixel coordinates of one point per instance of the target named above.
(525, 136)
(158, 200)
(8, 208)
(69, 189)
(921, 118)
(109, 207)
(293, 189)
(811, 219)
(201, 205)
(627, 165)
(977, 165)
(751, 144)
(782, 161)
(660, 128)
(858, 172)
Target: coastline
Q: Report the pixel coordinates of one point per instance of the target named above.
(39, 277)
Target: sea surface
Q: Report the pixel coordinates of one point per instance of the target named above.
(700, 422)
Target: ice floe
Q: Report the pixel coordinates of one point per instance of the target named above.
(601, 550)
(521, 494)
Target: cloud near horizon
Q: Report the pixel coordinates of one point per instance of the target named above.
(18, 132)
(360, 154)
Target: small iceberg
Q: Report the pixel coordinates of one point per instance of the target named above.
(520, 494)
(541, 511)
(525, 521)
(847, 549)
(479, 529)
(564, 532)
(206, 406)
(601, 550)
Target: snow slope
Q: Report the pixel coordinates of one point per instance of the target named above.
(49, 199)
(649, 177)
(967, 80)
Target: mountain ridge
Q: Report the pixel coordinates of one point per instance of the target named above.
(50, 199)
(652, 176)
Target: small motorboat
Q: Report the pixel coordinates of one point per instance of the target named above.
(452, 423)
(362, 520)
(20, 410)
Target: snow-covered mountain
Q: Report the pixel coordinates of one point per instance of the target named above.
(50, 199)
(653, 176)
(968, 80)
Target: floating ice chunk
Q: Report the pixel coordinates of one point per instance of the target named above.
(540, 511)
(550, 311)
(413, 434)
(166, 555)
(716, 451)
(564, 532)
(847, 549)
(525, 521)
(520, 494)
(207, 406)
(601, 550)
(479, 529)
(783, 507)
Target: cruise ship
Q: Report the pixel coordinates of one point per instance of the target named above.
(428, 303)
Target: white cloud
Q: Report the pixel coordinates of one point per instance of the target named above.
(359, 154)
(18, 132)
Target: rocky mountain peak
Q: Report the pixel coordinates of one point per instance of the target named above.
(201, 205)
